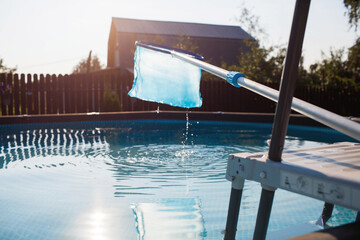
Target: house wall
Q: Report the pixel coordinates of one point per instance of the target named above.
(111, 47)
(214, 50)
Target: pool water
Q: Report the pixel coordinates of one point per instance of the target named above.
(140, 180)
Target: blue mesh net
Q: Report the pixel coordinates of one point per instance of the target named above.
(159, 77)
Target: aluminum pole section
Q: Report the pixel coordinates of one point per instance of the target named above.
(288, 79)
(233, 214)
(321, 115)
(263, 214)
(283, 109)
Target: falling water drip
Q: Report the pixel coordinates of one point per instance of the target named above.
(186, 134)
(185, 155)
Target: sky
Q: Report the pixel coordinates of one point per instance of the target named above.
(52, 36)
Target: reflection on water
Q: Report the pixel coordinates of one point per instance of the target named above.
(94, 179)
(29, 144)
(148, 147)
(166, 154)
(169, 219)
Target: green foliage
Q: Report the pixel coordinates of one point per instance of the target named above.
(250, 22)
(5, 69)
(186, 43)
(111, 101)
(82, 66)
(353, 61)
(260, 63)
(265, 64)
(338, 70)
(353, 12)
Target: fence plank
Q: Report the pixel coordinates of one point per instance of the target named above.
(84, 87)
(124, 90)
(118, 90)
(54, 95)
(96, 90)
(48, 92)
(81, 103)
(61, 94)
(36, 94)
(29, 93)
(3, 87)
(16, 95)
(71, 89)
(42, 94)
(91, 96)
(72, 93)
(103, 81)
(78, 92)
(67, 88)
(203, 85)
(22, 94)
(11, 92)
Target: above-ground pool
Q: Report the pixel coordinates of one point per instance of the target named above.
(141, 179)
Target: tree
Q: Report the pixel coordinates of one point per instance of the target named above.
(353, 12)
(353, 61)
(88, 64)
(331, 71)
(5, 69)
(264, 64)
(338, 70)
(186, 43)
(260, 63)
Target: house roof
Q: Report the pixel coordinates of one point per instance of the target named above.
(179, 28)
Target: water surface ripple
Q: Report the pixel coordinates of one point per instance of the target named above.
(126, 179)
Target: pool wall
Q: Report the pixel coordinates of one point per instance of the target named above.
(295, 119)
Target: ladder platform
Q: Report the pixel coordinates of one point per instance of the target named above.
(329, 173)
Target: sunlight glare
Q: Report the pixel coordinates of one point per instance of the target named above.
(97, 225)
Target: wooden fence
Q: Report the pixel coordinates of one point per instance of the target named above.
(83, 93)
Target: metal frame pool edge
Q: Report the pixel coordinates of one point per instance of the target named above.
(295, 119)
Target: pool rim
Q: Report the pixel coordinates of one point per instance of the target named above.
(295, 119)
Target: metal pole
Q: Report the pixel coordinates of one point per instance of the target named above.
(233, 214)
(283, 108)
(321, 115)
(288, 80)
(263, 215)
(326, 213)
